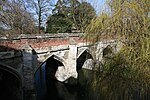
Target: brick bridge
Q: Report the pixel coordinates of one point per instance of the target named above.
(60, 56)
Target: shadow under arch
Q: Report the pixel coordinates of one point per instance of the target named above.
(10, 83)
(46, 70)
(53, 57)
(108, 51)
(82, 57)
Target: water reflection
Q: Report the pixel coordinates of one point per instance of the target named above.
(40, 82)
(59, 91)
(49, 89)
(88, 88)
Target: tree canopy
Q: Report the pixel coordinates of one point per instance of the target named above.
(83, 15)
(58, 24)
(71, 12)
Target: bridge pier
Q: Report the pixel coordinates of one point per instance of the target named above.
(68, 73)
(72, 61)
(28, 73)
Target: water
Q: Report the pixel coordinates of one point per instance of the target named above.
(50, 89)
(60, 91)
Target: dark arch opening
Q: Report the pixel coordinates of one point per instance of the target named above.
(82, 58)
(108, 51)
(44, 76)
(51, 66)
(10, 84)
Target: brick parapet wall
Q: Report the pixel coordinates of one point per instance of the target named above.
(38, 41)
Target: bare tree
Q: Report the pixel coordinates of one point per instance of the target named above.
(15, 19)
(40, 10)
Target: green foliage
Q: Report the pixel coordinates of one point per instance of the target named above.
(126, 75)
(71, 13)
(83, 15)
(60, 21)
(58, 24)
(65, 7)
(121, 81)
(108, 51)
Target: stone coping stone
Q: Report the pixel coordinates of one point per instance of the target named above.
(40, 36)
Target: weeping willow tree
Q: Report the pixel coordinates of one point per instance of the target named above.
(126, 75)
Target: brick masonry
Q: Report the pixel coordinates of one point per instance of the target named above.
(40, 41)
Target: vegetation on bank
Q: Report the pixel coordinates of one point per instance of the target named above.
(126, 74)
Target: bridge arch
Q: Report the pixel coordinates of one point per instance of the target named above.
(83, 57)
(10, 83)
(52, 64)
(46, 71)
(108, 51)
(10, 70)
(55, 57)
(60, 59)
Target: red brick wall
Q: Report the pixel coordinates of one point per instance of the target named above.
(38, 42)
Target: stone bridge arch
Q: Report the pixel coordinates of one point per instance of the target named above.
(10, 83)
(43, 62)
(10, 70)
(85, 59)
(48, 69)
(57, 57)
(51, 59)
(53, 64)
(108, 51)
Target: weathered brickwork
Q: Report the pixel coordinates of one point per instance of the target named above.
(35, 42)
